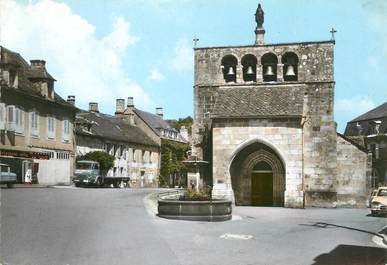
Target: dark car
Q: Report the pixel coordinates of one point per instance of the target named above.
(6, 176)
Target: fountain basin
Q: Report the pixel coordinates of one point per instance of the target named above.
(210, 211)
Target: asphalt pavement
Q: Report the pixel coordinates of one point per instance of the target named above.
(76, 226)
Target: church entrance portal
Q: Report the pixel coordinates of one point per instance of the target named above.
(258, 177)
(262, 185)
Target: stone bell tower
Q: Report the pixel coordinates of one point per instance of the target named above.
(264, 121)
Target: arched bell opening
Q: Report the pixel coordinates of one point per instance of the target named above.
(229, 65)
(258, 176)
(269, 63)
(249, 66)
(290, 70)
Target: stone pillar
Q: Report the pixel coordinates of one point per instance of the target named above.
(223, 191)
(280, 69)
(259, 36)
(259, 73)
(239, 74)
(193, 177)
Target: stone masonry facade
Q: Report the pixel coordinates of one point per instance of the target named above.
(290, 114)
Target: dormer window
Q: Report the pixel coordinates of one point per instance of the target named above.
(269, 63)
(290, 70)
(229, 68)
(377, 126)
(249, 64)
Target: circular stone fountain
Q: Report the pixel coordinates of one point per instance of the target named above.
(171, 207)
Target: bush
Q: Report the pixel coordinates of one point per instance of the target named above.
(204, 194)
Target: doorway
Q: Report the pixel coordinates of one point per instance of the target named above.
(262, 185)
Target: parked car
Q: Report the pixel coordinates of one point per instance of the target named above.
(373, 194)
(6, 176)
(379, 202)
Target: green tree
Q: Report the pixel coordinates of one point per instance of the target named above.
(172, 156)
(105, 160)
(187, 122)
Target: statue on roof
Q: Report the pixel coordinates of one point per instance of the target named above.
(259, 16)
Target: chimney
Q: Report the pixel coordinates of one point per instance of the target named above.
(130, 113)
(120, 106)
(159, 112)
(38, 63)
(71, 100)
(93, 106)
(130, 103)
(184, 133)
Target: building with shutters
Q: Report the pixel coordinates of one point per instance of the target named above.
(137, 155)
(36, 124)
(370, 131)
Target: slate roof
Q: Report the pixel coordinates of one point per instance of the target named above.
(153, 120)
(26, 74)
(110, 127)
(378, 112)
(39, 73)
(365, 124)
(238, 102)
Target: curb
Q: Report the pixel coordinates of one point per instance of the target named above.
(384, 235)
(29, 186)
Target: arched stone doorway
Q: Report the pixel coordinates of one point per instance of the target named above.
(258, 176)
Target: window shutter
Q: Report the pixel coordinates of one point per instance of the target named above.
(2, 116)
(48, 126)
(34, 123)
(37, 123)
(65, 130)
(19, 120)
(53, 127)
(31, 123)
(11, 118)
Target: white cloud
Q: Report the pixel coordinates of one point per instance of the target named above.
(354, 106)
(156, 75)
(183, 59)
(84, 65)
(376, 19)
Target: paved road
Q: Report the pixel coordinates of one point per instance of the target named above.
(111, 226)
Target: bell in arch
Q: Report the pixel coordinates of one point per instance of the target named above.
(250, 70)
(290, 71)
(269, 70)
(230, 71)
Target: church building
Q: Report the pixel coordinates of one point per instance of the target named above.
(264, 122)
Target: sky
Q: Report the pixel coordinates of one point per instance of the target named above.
(102, 50)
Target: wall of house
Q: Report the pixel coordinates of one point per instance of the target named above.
(25, 138)
(55, 170)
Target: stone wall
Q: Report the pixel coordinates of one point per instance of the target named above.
(351, 182)
(284, 137)
(315, 61)
(319, 141)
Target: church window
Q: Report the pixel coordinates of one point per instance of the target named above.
(290, 63)
(229, 65)
(269, 63)
(249, 66)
